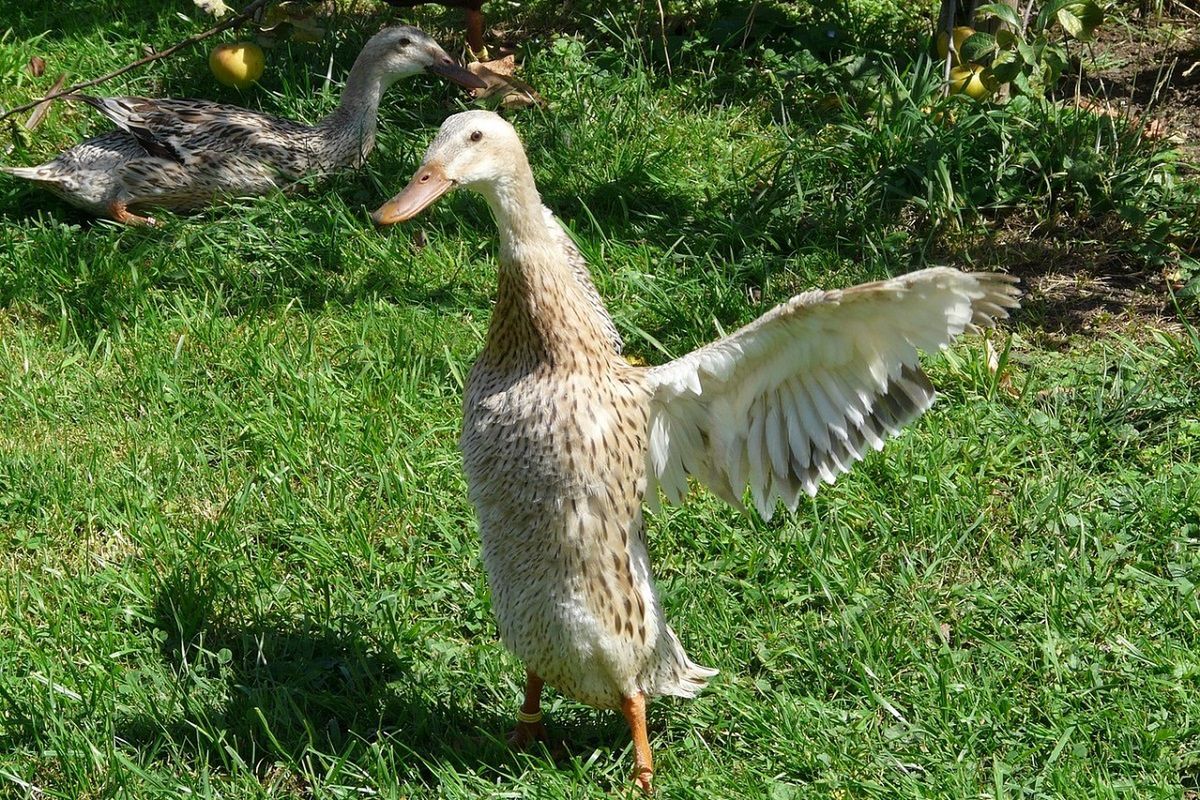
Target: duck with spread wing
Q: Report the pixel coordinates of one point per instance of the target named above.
(563, 439)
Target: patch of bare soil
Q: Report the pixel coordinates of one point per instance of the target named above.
(1149, 71)
(1074, 283)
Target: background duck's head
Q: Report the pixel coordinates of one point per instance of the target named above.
(402, 51)
(474, 150)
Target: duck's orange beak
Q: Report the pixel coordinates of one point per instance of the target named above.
(427, 186)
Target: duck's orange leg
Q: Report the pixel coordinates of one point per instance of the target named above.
(529, 719)
(475, 30)
(119, 210)
(634, 709)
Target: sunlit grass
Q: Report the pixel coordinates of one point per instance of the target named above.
(237, 559)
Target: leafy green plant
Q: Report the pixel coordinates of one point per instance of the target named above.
(900, 165)
(1032, 56)
(278, 20)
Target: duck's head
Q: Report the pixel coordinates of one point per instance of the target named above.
(473, 150)
(404, 50)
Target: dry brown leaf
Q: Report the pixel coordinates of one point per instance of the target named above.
(504, 66)
(501, 85)
(993, 356)
(1154, 129)
(39, 112)
(1095, 106)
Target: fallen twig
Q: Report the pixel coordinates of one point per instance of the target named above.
(43, 108)
(238, 18)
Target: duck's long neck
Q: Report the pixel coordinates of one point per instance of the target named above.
(543, 316)
(348, 134)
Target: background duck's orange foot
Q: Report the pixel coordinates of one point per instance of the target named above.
(526, 735)
(642, 779)
(121, 213)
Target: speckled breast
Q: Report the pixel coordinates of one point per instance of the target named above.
(544, 436)
(555, 467)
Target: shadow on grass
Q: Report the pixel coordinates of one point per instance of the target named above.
(634, 206)
(298, 690)
(92, 275)
(68, 18)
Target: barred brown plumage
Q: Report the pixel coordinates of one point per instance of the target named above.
(183, 154)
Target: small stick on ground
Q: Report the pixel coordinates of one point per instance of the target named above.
(43, 108)
(238, 18)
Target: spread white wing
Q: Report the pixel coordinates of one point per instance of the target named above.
(797, 396)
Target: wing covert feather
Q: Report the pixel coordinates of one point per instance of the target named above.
(177, 129)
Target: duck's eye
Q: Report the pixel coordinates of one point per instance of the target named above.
(476, 136)
(405, 42)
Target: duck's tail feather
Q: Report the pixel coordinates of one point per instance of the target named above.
(39, 173)
(675, 673)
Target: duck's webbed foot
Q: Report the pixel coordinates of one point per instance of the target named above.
(526, 734)
(119, 210)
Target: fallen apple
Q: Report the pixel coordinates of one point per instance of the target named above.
(972, 80)
(238, 64)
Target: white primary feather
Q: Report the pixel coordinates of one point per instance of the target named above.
(796, 397)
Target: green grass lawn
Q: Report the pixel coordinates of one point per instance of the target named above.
(236, 554)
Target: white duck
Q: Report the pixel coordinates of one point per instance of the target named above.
(562, 438)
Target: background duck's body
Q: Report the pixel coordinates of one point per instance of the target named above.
(192, 152)
(562, 439)
(184, 154)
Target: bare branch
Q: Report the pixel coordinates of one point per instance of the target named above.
(243, 15)
(39, 113)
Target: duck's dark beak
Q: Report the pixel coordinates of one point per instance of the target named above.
(446, 68)
(422, 191)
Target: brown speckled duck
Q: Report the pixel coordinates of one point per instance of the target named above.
(563, 439)
(185, 153)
